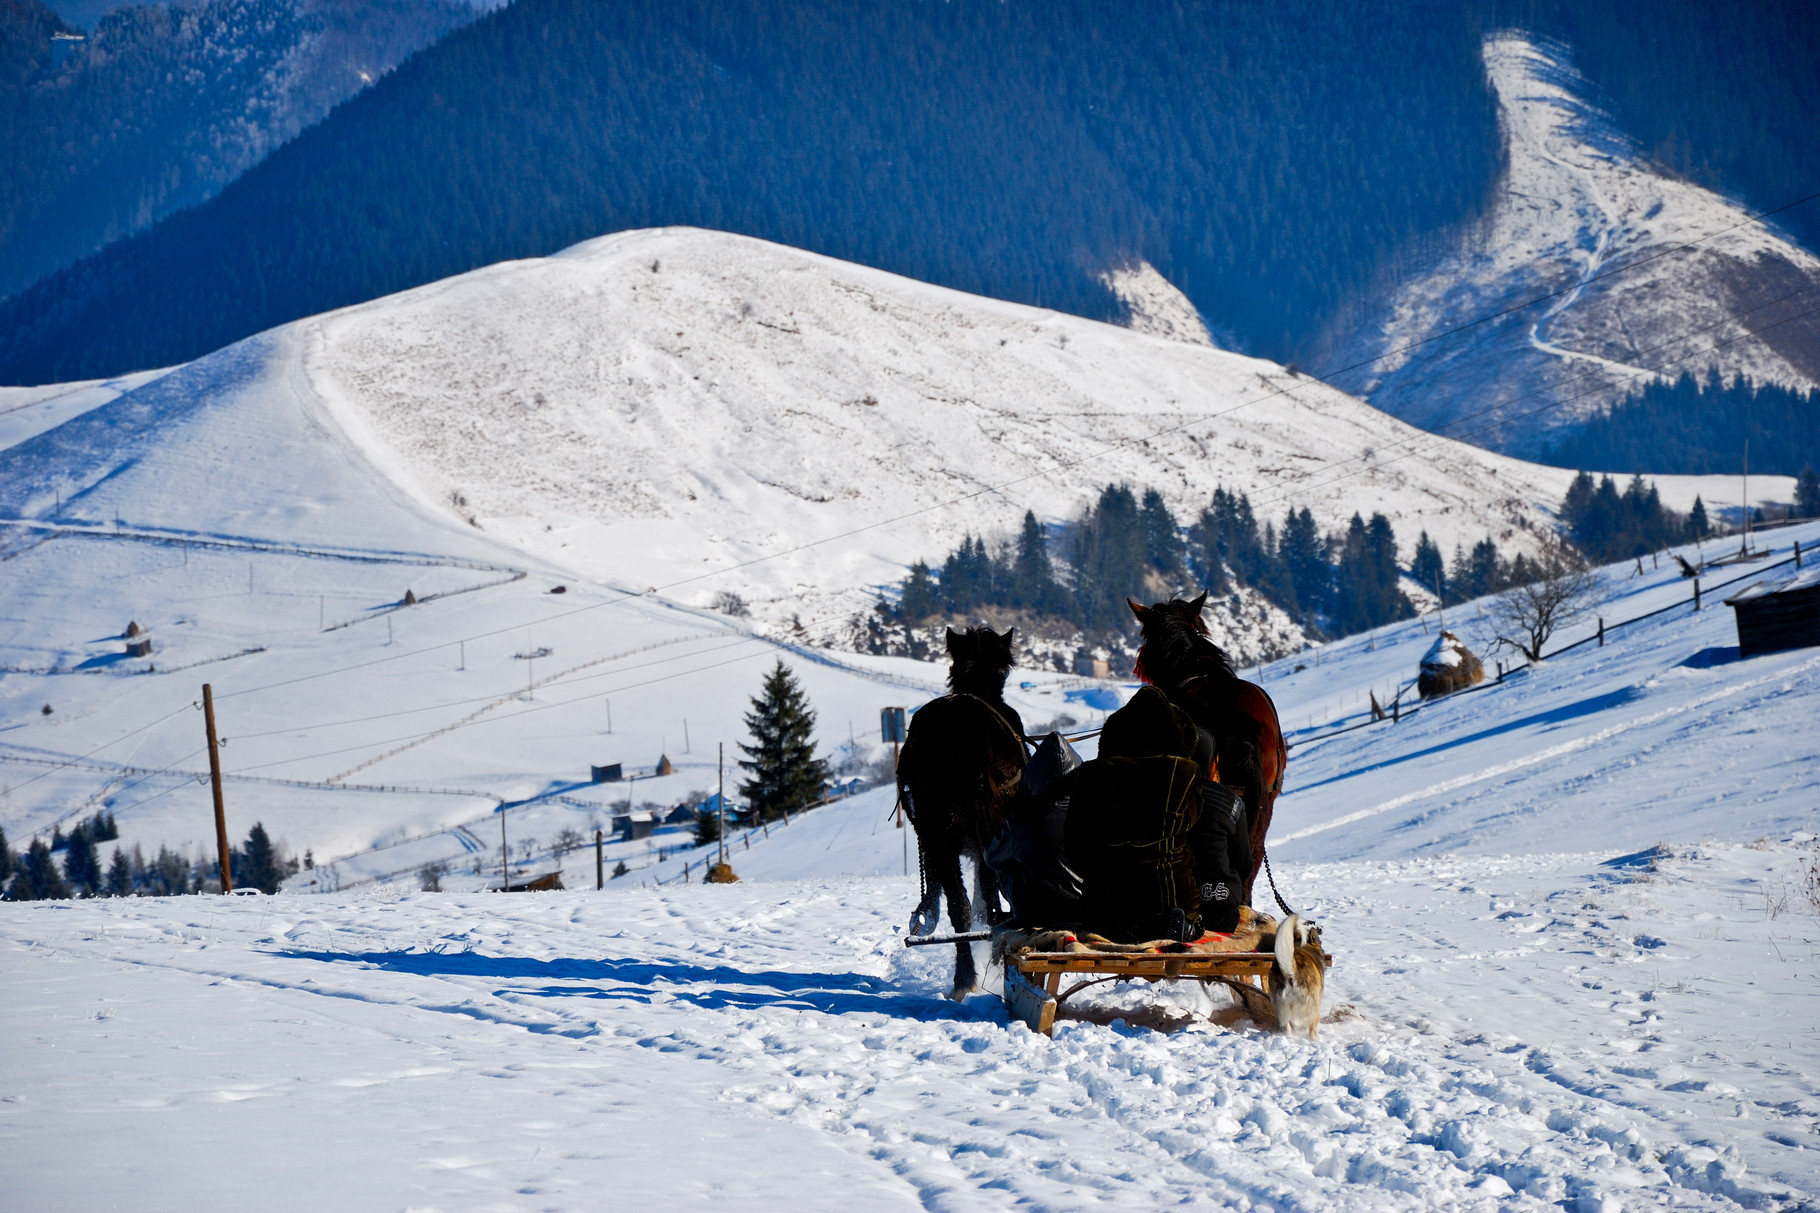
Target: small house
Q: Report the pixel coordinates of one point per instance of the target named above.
(631, 827)
(613, 772)
(1091, 665)
(1773, 615)
(681, 815)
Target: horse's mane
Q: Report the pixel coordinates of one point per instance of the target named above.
(1173, 651)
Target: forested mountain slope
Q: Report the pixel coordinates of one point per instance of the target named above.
(1643, 277)
(1265, 159)
(161, 106)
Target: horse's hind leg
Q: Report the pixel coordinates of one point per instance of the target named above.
(946, 870)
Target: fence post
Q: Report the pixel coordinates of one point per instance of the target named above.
(600, 876)
(1797, 553)
(1696, 593)
(1601, 631)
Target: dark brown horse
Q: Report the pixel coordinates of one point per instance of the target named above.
(1179, 659)
(960, 769)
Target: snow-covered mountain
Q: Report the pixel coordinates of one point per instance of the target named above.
(1648, 275)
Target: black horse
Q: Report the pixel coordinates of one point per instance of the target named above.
(960, 768)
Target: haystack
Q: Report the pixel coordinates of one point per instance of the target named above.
(1448, 666)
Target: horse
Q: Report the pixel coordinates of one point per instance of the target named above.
(1181, 660)
(960, 769)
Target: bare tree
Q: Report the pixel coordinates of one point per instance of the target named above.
(1563, 591)
(568, 840)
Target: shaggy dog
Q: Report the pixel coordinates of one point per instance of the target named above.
(1297, 977)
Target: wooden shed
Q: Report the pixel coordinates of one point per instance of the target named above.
(1778, 614)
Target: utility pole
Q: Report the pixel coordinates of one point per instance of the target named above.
(720, 798)
(685, 734)
(221, 841)
(1744, 547)
(600, 867)
(505, 856)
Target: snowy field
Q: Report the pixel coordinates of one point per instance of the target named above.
(1576, 966)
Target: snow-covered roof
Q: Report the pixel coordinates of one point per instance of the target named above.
(1803, 579)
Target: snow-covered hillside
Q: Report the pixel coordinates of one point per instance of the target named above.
(661, 406)
(1574, 969)
(1576, 211)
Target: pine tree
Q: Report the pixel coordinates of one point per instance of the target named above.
(1304, 556)
(786, 774)
(119, 875)
(919, 599)
(1033, 572)
(8, 861)
(1697, 525)
(1109, 561)
(81, 865)
(1807, 493)
(707, 828)
(1163, 545)
(38, 878)
(256, 864)
(1426, 566)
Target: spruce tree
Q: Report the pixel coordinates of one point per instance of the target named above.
(38, 878)
(1698, 526)
(1304, 555)
(1162, 538)
(1033, 572)
(786, 774)
(919, 599)
(256, 865)
(1427, 567)
(119, 875)
(7, 859)
(1109, 561)
(81, 865)
(1807, 493)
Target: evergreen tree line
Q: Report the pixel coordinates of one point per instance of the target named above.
(36, 875)
(1609, 525)
(1698, 427)
(1123, 545)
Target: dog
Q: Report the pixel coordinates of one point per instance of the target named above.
(1297, 977)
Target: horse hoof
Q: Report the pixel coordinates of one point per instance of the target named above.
(959, 993)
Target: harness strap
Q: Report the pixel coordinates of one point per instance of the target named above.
(1271, 876)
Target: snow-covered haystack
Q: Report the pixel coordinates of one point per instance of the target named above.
(1448, 666)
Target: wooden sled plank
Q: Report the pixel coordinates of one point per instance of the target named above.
(1034, 1006)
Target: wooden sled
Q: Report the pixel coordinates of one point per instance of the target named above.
(1033, 980)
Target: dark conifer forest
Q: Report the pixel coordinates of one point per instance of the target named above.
(1267, 158)
(1699, 427)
